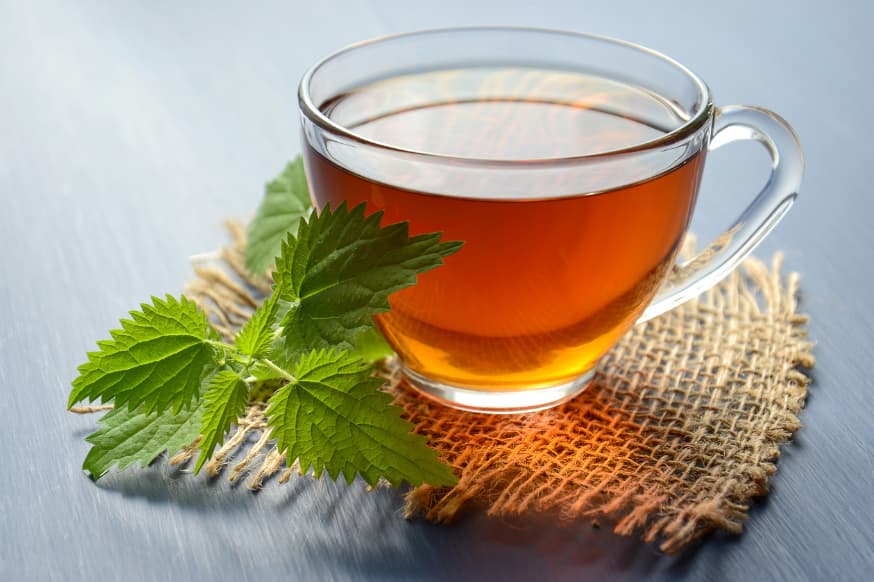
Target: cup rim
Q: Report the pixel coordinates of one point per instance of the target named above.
(688, 128)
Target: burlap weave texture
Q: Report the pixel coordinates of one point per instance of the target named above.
(677, 434)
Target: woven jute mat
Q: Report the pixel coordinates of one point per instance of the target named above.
(679, 432)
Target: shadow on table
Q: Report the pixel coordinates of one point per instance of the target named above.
(539, 548)
(333, 526)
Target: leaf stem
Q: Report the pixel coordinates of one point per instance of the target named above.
(222, 345)
(278, 370)
(231, 351)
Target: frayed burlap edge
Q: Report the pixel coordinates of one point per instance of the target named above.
(678, 433)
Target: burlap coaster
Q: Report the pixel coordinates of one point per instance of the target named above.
(679, 431)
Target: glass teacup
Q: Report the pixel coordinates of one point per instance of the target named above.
(568, 164)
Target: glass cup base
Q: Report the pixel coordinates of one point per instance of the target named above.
(495, 401)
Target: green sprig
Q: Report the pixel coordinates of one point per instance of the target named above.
(171, 378)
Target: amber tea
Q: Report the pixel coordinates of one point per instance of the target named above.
(545, 284)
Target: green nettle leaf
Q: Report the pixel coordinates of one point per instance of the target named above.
(158, 359)
(256, 336)
(285, 202)
(334, 418)
(370, 346)
(127, 437)
(339, 270)
(223, 403)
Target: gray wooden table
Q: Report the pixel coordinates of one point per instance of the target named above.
(129, 130)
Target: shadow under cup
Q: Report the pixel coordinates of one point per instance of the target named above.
(568, 165)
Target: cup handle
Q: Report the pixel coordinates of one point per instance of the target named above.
(735, 123)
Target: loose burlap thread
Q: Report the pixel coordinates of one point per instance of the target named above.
(679, 431)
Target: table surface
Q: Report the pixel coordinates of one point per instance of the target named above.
(130, 130)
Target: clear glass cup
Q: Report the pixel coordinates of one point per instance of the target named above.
(568, 163)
